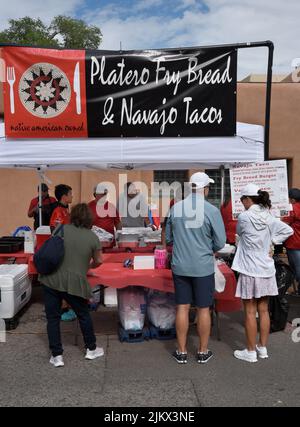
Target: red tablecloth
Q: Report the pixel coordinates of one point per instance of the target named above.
(112, 273)
(226, 301)
(114, 257)
(147, 249)
(20, 257)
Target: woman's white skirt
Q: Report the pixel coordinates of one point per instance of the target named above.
(249, 287)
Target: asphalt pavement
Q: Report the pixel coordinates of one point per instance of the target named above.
(144, 374)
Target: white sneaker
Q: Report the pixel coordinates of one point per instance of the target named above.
(57, 361)
(93, 354)
(262, 352)
(247, 356)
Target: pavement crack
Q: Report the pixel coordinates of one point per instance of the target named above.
(196, 394)
(106, 359)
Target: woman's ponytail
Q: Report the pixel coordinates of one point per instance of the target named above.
(264, 199)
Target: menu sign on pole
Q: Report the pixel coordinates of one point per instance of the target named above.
(270, 176)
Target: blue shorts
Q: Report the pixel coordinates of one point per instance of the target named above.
(194, 290)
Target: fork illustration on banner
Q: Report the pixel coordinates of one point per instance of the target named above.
(11, 78)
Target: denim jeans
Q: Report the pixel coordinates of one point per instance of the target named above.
(294, 261)
(53, 300)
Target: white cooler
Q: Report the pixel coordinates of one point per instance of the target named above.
(110, 297)
(15, 289)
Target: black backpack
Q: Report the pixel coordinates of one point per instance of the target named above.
(279, 311)
(284, 276)
(278, 304)
(50, 255)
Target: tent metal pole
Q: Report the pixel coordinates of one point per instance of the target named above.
(171, 49)
(270, 45)
(40, 197)
(222, 170)
(268, 102)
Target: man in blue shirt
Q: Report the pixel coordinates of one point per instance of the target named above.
(196, 230)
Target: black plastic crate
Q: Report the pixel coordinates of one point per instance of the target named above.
(133, 335)
(16, 242)
(162, 334)
(8, 248)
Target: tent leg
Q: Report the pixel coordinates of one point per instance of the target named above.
(218, 326)
(222, 169)
(40, 195)
(42, 179)
(76, 331)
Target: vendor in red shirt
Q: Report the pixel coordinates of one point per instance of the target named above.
(61, 215)
(48, 204)
(229, 223)
(292, 244)
(105, 214)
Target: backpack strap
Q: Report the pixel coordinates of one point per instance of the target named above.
(59, 231)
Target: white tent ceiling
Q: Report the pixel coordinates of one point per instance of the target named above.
(133, 153)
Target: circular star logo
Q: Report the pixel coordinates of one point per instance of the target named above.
(44, 90)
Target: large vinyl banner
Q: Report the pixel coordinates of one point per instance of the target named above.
(52, 93)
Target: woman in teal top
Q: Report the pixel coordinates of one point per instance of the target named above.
(69, 282)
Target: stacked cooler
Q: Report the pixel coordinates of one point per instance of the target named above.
(161, 310)
(15, 289)
(132, 311)
(133, 307)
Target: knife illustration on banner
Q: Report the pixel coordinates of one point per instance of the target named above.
(76, 88)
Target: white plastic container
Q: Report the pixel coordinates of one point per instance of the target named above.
(110, 297)
(29, 242)
(144, 262)
(15, 289)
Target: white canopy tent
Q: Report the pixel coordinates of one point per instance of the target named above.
(134, 153)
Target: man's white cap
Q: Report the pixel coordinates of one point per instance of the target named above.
(101, 189)
(201, 180)
(250, 190)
